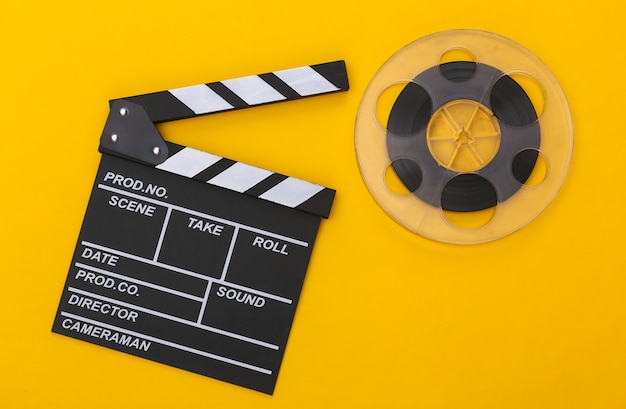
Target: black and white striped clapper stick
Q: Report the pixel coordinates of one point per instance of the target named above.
(244, 92)
(237, 93)
(188, 258)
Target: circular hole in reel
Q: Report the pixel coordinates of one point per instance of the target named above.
(410, 101)
(511, 104)
(407, 185)
(470, 220)
(385, 102)
(532, 88)
(456, 53)
(457, 64)
(468, 192)
(469, 211)
(538, 172)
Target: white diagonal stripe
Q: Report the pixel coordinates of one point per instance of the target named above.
(188, 162)
(306, 81)
(240, 177)
(253, 90)
(201, 99)
(291, 192)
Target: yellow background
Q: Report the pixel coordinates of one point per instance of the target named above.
(386, 318)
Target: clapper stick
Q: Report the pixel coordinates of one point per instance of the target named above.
(187, 258)
(244, 92)
(130, 131)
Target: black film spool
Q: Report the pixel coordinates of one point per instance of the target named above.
(472, 191)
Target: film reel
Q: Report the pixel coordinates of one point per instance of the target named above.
(463, 136)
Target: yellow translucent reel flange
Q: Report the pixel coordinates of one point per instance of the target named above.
(463, 136)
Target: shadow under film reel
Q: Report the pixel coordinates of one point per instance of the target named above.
(464, 136)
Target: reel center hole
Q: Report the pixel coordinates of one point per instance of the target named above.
(463, 137)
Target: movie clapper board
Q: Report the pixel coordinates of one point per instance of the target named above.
(191, 259)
